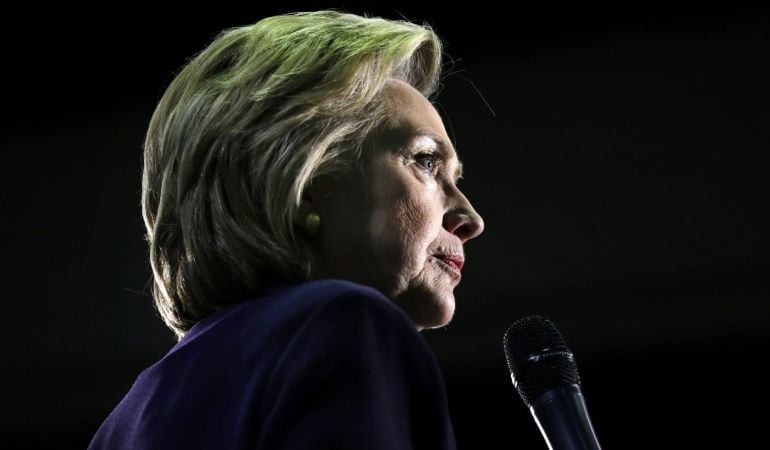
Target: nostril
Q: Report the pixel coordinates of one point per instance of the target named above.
(471, 229)
(463, 224)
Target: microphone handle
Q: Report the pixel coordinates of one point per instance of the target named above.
(562, 417)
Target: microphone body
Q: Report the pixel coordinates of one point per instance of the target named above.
(544, 372)
(563, 419)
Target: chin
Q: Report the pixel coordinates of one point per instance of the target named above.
(437, 321)
(428, 311)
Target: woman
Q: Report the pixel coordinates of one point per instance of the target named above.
(304, 223)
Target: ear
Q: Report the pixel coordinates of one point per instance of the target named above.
(306, 205)
(314, 200)
(321, 196)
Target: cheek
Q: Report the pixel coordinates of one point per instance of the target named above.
(409, 222)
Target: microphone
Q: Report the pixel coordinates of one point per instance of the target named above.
(544, 372)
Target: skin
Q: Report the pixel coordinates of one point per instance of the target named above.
(399, 224)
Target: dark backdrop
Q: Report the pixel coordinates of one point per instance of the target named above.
(618, 155)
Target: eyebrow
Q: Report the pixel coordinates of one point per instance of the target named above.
(444, 146)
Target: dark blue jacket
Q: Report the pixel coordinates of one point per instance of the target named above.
(320, 365)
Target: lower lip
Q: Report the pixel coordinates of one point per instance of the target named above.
(449, 267)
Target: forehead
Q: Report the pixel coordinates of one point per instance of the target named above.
(407, 106)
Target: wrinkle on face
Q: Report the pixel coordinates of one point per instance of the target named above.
(387, 229)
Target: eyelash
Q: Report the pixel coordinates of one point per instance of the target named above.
(433, 158)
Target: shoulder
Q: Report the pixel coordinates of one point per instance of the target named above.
(347, 308)
(355, 373)
(321, 291)
(352, 340)
(315, 315)
(288, 306)
(342, 299)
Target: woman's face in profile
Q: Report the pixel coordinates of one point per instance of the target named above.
(399, 225)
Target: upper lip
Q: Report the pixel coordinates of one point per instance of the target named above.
(454, 259)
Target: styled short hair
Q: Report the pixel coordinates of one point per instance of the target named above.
(240, 133)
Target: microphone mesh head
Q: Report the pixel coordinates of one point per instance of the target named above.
(538, 357)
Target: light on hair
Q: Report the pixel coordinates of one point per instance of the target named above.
(240, 133)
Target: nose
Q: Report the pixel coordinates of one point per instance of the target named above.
(463, 221)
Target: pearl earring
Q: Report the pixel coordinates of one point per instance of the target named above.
(312, 223)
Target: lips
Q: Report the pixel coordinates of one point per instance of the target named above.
(454, 261)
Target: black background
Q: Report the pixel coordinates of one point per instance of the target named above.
(617, 153)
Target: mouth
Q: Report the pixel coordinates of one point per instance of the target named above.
(451, 263)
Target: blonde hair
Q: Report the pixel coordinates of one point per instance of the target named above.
(243, 129)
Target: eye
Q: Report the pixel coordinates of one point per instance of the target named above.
(430, 162)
